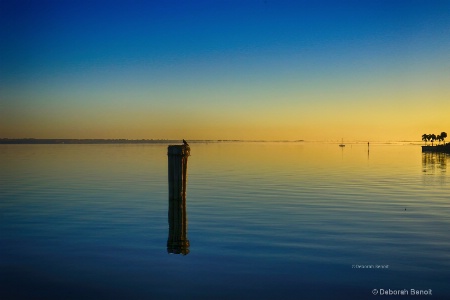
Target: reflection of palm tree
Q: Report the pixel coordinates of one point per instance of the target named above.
(432, 163)
(425, 138)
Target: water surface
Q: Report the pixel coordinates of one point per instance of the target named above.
(265, 221)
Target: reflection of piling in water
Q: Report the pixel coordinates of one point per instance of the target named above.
(177, 242)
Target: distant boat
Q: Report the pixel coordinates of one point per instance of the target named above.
(342, 143)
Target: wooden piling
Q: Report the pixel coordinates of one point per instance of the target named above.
(177, 241)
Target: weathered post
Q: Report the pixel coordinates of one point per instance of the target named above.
(177, 242)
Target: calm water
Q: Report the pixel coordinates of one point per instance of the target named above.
(265, 221)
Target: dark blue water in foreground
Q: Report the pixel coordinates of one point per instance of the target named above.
(265, 221)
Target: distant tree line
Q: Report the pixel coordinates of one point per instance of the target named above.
(433, 138)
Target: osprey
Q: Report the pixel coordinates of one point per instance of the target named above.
(185, 143)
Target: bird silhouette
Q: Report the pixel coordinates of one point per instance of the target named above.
(185, 143)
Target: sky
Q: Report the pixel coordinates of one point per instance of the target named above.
(223, 69)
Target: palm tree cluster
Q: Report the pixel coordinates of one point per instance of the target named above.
(433, 137)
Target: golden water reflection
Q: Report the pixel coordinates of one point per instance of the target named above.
(434, 164)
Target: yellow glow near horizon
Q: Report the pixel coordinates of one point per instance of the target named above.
(379, 110)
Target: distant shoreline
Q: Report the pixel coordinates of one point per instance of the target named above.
(86, 141)
(33, 141)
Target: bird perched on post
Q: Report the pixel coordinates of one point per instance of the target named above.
(185, 143)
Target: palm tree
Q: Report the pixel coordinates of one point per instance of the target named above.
(425, 138)
(428, 137)
(439, 138)
(433, 138)
(443, 136)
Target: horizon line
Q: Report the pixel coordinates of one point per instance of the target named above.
(205, 140)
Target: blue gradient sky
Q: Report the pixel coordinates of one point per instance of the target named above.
(315, 70)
